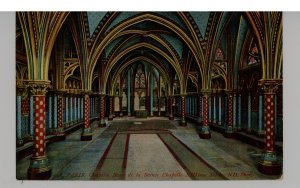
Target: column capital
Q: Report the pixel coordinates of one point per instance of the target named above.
(205, 92)
(269, 86)
(39, 87)
(21, 89)
(86, 92)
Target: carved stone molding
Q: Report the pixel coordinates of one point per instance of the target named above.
(38, 87)
(269, 86)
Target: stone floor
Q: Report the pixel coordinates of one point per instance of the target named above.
(149, 149)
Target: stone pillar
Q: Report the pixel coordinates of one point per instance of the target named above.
(20, 92)
(128, 93)
(220, 110)
(269, 162)
(209, 109)
(39, 167)
(205, 130)
(86, 134)
(111, 115)
(261, 131)
(229, 132)
(167, 103)
(215, 109)
(171, 116)
(158, 106)
(120, 103)
(200, 116)
(249, 127)
(102, 105)
(183, 121)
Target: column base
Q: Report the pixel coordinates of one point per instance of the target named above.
(151, 114)
(249, 131)
(39, 169)
(129, 114)
(158, 113)
(205, 132)
(261, 134)
(183, 123)
(219, 123)
(20, 142)
(238, 128)
(229, 132)
(110, 117)
(102, 123)
(269, 164)
(121, 114)
(171, 117)
(86, 134)
(59, 133)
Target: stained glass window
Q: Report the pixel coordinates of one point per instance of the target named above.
(140, 78)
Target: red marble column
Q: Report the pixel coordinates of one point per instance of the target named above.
(39, 165)
(205, 131)
(87, 131)
(199, 120)
(270, 162)
(111, 115)
(183, 121)
(229, 129)
(102, 105)
(59, 130)
(171, 116)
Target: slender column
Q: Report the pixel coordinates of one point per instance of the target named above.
(39, 167)
(215, 109)
(75, 108)
(50, 120)
(55, 111)
(71, 109)
(78, 108)
(183, 121)
(102, 120)
(167, 103)
(261, 132)
(158, 106)
(67, 110)
(239, 126)
(220, 110)
(234, 111)
(205, 130)
(249, 127)
(19, 116)
(270, 162)
(200, 117)
(209, 109)
(229, 129)
(171, 116)
(86, 134)
(120, 103)
(128, 93)
(151, 94)
(111, 115)
(58, 128)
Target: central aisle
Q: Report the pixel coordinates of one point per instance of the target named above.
(149, 159)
